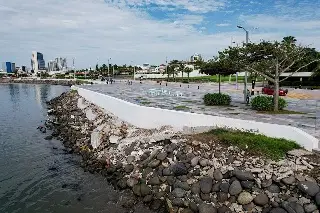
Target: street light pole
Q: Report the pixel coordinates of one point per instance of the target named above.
(109, 68)
(245, 73)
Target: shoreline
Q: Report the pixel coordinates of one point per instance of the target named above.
(169, 171)
(62, 82)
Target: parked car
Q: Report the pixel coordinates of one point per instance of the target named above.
(268, 90)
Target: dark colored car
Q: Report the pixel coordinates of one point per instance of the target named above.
(270, 91)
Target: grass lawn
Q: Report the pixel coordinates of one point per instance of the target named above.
(256, 144)
(212, 78)
(181, 107)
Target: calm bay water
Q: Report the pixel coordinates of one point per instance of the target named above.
(36, 175)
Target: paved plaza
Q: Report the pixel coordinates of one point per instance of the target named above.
(176, 96)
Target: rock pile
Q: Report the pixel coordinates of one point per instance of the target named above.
(45, 81)
(183, 173)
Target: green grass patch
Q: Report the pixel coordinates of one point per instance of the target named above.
(257, 144)
(181, 107)
(281, 112)
(234, 113)
(74, 91)
(189, 101)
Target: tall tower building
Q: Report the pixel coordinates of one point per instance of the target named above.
(37, 62)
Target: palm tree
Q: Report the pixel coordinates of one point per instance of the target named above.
(104, 68)
(188, 70)
(289, 40)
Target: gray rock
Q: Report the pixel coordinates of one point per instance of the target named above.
(207, 208)
(230, 159)
(248, 207)
(178, 193)
(317, 199)
(278, 210)
(148, 198)
(292, 199)
(216, 187)
(130, 159)
(145, 189)
(273, 188)
(154, 163)
(155, 204)
(178, 202)
(122, 183)
(243, 175)
(222, 197)
(292, 207)
(195, 188)
(289, 180)
(204, 162)
(217, 175)
(161, 156)
(170, 180)
(308, 187)
(205, 197)
(235, 188)
(310, 207)
(131, 182)
(195, 161)
(266, 183)
(206, 184)
(154, 181)
(182, 185)
(247, 184)
(224, 187)
(179, 169)
(244, 198)
(187, 211)
(224, 209)
(261, 199)
(128, 168)
(193, 206)
(166, 172)
(136, 190)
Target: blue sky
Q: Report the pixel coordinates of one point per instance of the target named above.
(140, 31)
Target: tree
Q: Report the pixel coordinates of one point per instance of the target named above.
(181, 69)
(188, 70)
(173, 68)
(269, 59)
(97, 68)
(218, 67)
(104, 68)
(289, 40)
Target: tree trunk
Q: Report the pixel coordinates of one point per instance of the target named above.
(182, 75)
(188, 77)
(174, 78)
(219, 84)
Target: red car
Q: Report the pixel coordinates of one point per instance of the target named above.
(269, 91)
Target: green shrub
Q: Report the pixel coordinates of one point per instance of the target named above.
(265, 103)
(211, 99)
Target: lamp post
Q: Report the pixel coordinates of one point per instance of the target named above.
(109, 68)
(134, 70)
(245, 73)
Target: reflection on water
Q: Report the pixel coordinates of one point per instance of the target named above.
(36, 175)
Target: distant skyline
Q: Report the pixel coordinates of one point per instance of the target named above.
(146, 31)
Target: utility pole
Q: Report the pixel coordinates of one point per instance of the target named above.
(109, 68)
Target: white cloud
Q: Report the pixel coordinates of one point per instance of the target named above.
(223, 25)
(283, 23)
(200, 6)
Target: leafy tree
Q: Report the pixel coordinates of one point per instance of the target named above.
(97, 68)
(188, 70)
(104, 69)
(269, 59)
(289, 40)
(218, 67)
(181, 69)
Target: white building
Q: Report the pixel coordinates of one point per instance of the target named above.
(58, 65)
(37, 62)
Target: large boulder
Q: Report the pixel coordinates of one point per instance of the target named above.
(309, 188)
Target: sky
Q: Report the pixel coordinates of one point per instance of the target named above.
(147, 31)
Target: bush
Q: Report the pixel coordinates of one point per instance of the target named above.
(265, 103)
(211, 99)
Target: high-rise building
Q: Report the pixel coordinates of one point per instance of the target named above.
(37, 62)
(58, 64)
(8, 67)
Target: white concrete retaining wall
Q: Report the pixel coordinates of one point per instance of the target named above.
(195, 73)
(150, 117)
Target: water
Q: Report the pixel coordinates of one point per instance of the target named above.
(36, 175)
